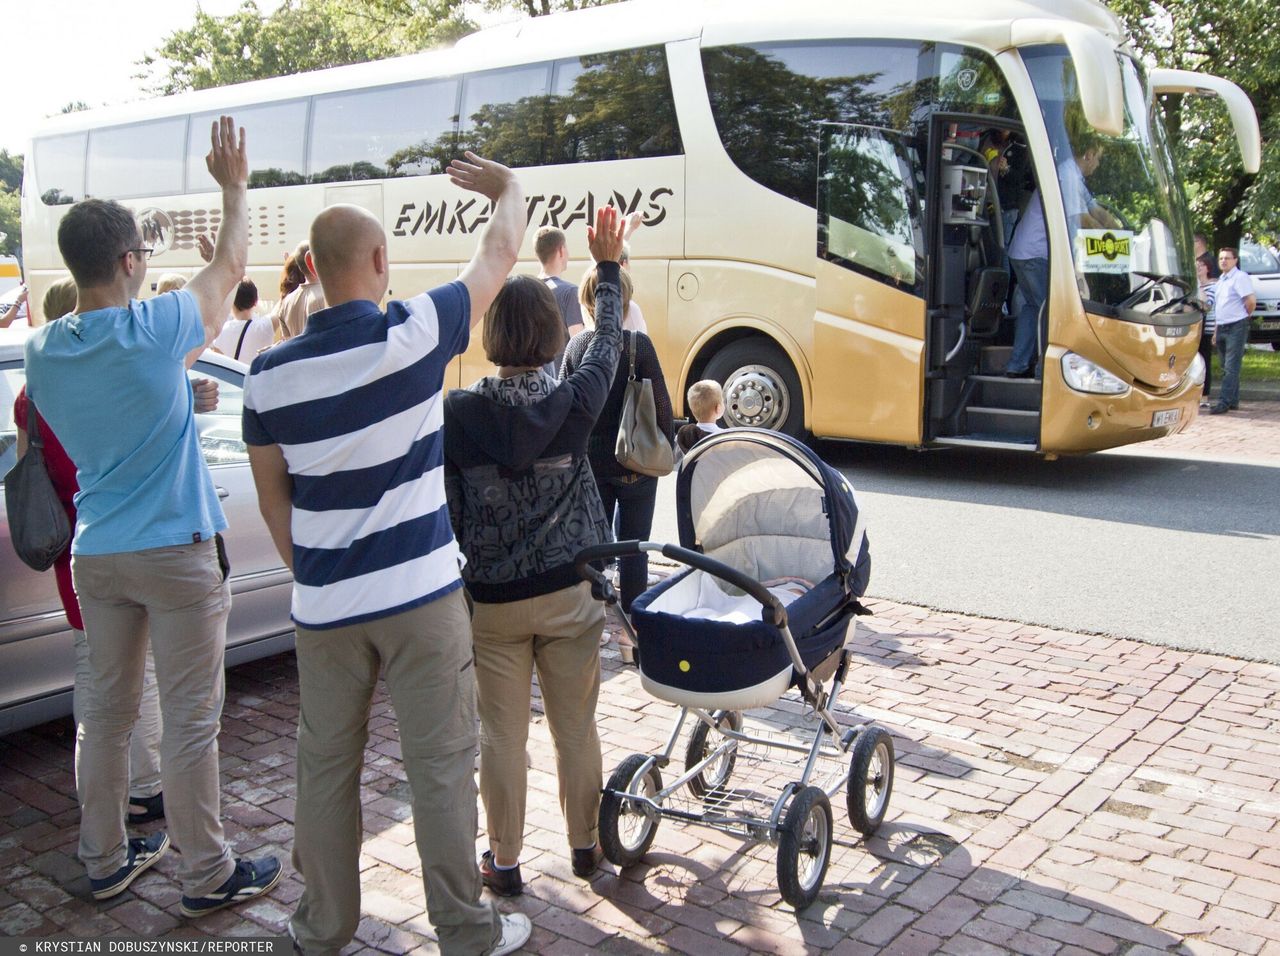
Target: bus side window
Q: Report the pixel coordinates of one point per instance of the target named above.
(59, 168)
(277, 136)
(144, 159)
(504, 114)
(383, 132)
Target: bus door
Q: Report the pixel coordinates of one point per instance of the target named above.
(869, 322)
(969, 398)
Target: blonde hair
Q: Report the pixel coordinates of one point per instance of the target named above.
(59, 299)
(170, 282)
(704, 398)
(587, 292)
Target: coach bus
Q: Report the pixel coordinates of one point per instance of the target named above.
(826, 193)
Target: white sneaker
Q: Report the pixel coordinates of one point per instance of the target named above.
(516, 929)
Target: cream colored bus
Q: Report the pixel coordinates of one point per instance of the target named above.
(827, 193)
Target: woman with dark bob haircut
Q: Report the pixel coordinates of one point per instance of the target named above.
(523, 504)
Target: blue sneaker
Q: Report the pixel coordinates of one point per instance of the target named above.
(250, 878)
(143, 852)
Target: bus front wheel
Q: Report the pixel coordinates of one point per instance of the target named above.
(761, 388)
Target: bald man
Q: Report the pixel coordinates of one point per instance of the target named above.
(343, 428)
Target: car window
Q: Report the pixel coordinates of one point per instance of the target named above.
(220, 438)
(12, 378)
(1255, 259)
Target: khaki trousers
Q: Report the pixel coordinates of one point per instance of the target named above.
(559, 634)
(425, 658)
(175, 597)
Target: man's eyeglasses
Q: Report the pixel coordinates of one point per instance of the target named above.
(143, 253)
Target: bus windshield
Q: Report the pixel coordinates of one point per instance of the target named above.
(1126, 212)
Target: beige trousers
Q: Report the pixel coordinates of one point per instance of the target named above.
(424, 655)
(559, 635)
(176, 597)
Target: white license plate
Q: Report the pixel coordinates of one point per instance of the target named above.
(1169, 416)
(1268, 325)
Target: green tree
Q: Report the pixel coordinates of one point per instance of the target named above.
(542, 8)
(1238, 40)
(10, 222)
(300, 35)
(10, 170)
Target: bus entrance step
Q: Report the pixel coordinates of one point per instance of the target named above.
(1015, 424)
(996, 391)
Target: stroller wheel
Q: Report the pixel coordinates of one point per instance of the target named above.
(870, 779)
(626, 827)
(804, 847)
(714, 776)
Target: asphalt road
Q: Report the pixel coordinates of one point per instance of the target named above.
(1180, 551)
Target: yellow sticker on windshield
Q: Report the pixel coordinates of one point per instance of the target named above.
(1104, 250)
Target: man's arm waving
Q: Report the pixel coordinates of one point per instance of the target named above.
(228, 162)
(499, 247)
(275, 496)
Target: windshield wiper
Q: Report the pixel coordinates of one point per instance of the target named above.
(1157, 278)
(1153, 279)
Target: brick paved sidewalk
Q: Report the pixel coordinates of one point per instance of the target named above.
(1055, 794)
(1251, 431)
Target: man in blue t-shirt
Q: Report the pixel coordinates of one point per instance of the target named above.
(110, 378)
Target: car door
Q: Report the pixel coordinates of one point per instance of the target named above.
(261, 586)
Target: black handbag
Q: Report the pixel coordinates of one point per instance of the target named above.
(38, 523)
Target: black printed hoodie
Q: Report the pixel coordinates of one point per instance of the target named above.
(521, 495)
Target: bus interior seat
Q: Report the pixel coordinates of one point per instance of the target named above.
(989, 287)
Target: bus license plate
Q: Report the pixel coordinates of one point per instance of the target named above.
(1268, 325)
(1169, 416)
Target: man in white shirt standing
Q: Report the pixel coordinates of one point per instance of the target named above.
(1233, 302)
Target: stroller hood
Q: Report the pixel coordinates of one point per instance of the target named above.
(761, 486)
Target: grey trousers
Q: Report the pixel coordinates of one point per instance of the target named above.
(177, 598)
(424, 655)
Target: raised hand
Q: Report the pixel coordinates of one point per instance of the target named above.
(605, 239)
(204, 245)
(228, 160)
(480, 175)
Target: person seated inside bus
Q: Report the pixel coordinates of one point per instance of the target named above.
(1029, 251)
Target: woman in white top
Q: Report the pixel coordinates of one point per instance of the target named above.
(244, 336)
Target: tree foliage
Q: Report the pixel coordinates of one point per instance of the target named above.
(542, 8)
(1238, 40)
(300, 35)
(10, 201)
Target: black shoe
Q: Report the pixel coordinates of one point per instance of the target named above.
(152, 809)
(1233, 406)
(585, 862)
(1220, 409)
(502, 882)
(1025, 373)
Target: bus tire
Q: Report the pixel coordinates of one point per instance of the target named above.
(761, 387)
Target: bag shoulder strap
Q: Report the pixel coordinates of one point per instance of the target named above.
(240, 344)
(631, 350)
(33, 426)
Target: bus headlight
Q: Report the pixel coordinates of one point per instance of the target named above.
(1086, 376)
(1195, 371)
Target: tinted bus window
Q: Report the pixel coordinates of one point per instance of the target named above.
(768, 99)
(612, 106)
(276, 135)
(140, 160)
(504, 114)
(59, 167)
(383, 133)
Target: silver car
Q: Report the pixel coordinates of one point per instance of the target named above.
(37, 661)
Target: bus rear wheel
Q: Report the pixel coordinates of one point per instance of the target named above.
(761, 388)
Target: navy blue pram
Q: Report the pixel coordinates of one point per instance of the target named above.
(777, 558)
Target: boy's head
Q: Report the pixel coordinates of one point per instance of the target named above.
(706, 400)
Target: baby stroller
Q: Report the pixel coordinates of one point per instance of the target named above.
(777, 558)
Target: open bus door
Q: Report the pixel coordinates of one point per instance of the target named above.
(869, 323)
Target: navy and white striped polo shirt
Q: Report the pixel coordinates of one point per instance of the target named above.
(356, 406)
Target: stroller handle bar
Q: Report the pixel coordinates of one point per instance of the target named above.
(774, 611)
